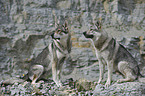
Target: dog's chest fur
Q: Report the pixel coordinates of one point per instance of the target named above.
(59, 54)
(104, 47)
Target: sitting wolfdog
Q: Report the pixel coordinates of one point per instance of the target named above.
(56, 53)
(112, 54)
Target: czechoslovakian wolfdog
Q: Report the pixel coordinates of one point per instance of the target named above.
(56, 53)
(112, 54)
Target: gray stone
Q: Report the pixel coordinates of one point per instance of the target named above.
(26, 25)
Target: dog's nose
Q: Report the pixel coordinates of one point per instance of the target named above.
(84, 33)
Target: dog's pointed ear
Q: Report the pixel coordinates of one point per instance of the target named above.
(66, 25)
(98, 25)
(56, 25)
(91, 24)
(56, 22)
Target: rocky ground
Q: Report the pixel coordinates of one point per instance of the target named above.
(80, 87)
(46, 88)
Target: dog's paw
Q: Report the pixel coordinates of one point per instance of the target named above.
(59, 84)
(124, 80)
(99, 81)
(108, 83)
(119, 81)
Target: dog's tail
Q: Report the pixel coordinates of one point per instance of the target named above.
(141, 78)
(12, 81)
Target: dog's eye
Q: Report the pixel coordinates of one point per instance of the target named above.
(58, 31)
(91, 30)
(65, 32)
(64, 28)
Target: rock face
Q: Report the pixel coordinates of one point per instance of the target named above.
(25, 27)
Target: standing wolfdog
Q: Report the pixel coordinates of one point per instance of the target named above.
(56, 53)
(112, 54)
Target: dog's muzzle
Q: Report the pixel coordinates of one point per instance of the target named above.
(88, 35)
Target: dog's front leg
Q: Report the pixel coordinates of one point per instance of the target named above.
(110, 68)
(58, 77)
(55, 74)
(102, 68)
(59, 67)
